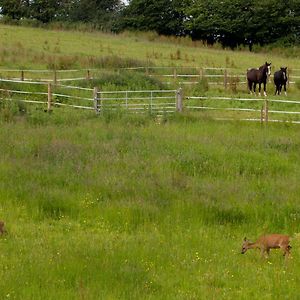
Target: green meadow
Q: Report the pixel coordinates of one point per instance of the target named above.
(120, 206)
(33, 47)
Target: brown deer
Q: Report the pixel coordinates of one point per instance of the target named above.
(267, 242)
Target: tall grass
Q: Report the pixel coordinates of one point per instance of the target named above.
(120, 206)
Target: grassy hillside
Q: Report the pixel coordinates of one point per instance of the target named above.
(33, 47)
(120, 206)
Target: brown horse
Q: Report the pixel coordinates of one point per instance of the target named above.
(259, 76)
(280, 80)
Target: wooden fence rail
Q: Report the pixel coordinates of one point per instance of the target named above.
(155, 101)
(158, 101)
(265, 110)
(186, 73)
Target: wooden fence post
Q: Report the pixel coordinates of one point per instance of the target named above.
(262, 114)
(266, 111)
(54, 77)
(225, 79)
(179, 100)
(88, 75)
(49, 97)
(175, 73)
(96, 100)
(201, 73)
(22, 75)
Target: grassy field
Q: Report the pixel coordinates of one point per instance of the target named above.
(120, 206)
(40, 48)
(33, 48)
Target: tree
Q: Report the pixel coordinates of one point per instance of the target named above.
(235, 22)
(15, 9)
(220, 21)
(44, 10)
(271, 20)
(163, 16)
(99, 12)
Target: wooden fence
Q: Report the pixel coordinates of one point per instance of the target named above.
(58, 95)
(217, 76)
(262, 111)
(51, 95)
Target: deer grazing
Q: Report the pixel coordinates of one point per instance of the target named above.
(267, 242)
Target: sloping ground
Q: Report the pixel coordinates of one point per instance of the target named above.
(33, 48)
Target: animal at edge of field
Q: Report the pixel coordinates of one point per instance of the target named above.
(258, 76)
(267, 242)
(2, 228)
(280, 80)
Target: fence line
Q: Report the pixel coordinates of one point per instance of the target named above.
(122, 68)
(201, 73)
(257, 120)
(242, 99)
(101, 99)
(139, 100)
(21, 81)
(73, 87)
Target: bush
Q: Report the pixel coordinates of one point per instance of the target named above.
(9, 109)
(124, 80)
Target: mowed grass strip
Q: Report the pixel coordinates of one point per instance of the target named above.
(120, 206)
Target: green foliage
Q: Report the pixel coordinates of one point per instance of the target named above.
(243, 22)
(10, 108)
(46, 11)
(163, 16)
(232, 23)
(201, 87)
(126, 80)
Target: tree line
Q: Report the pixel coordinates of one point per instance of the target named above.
(229, 22)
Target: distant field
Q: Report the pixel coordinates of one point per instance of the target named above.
(31, 47)
(119, 206)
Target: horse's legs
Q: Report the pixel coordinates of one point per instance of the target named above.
(259, 89)
(280, 88)
(265, 93)
(250, 86)
(254, 87)
(285, 89)
(276, 90)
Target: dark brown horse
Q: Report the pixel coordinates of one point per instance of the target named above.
(259, 76)
(280, 80)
